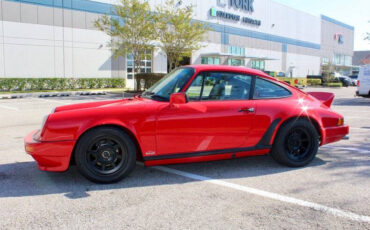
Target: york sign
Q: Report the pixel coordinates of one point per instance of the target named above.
(246, 5)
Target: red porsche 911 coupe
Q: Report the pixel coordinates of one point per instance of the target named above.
(195, 113)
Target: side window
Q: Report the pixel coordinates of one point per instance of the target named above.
(195, 89)
(265, 89)
(220, 86)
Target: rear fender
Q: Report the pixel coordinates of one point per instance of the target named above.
(316, 123)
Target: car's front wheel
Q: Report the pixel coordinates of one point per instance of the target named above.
(105, 155)
(296, 143)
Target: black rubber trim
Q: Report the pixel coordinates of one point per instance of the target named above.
(253, 85)
(205, 153)
(266, 139)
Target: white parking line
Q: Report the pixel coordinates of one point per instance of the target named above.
(266, 194)
(9, 107)
(53, 101)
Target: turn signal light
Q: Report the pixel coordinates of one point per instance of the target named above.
(29, 149)
(340, 122)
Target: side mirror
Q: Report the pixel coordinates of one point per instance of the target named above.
(178, 98)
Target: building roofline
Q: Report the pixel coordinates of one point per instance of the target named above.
(332, 20)
(106, 8)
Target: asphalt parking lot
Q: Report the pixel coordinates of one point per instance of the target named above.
(333, 192)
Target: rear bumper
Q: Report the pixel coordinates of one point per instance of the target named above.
(50, 156)
(334, 134)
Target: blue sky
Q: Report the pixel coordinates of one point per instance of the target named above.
(353, 12)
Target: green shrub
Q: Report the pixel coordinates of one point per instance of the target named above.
(32, 84)
(117, 83)
(314, 81)
(149, 80)
(333, 84)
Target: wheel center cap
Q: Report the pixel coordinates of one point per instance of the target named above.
(106, 154)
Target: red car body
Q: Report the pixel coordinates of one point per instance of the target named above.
(166, 133)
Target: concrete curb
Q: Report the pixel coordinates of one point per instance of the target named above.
(53, 94)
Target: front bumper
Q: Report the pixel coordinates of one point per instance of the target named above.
(334, 134)
(50, 156)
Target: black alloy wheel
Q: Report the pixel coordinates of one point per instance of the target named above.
(105, 154)
(296, 143)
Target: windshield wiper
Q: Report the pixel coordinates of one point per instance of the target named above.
(159, 97)
(148, 93)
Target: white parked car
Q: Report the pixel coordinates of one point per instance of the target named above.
(364, 81)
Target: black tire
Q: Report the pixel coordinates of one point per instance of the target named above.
(296, 143)
(105, 155)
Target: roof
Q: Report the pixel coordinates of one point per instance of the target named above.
(230, 69)
(361, 58)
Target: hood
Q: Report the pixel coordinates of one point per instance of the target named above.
(97, 104)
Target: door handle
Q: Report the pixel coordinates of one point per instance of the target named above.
(248, 110)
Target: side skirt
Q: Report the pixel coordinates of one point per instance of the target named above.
(206, 156)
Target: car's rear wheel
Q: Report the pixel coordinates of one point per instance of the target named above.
(296, 143)
(105, 155)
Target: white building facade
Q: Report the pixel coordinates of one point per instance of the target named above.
(57, 38)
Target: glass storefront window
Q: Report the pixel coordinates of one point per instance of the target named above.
(325, 61)
(236, 62)
(210, 61)
(348, 61)
(258, 64)
(243, 52)
(342, 60)
(235, 50)
(145, 64)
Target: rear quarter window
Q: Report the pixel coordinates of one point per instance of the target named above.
(265, 89)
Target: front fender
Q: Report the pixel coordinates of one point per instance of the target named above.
(139, 121)
(106, 122)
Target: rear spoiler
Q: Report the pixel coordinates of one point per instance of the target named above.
(325, 97)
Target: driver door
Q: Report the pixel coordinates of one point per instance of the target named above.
(218, 116)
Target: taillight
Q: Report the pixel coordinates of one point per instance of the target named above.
(340, 122)
(358, 83)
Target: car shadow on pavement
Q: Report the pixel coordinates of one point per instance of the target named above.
(352, 102)
(24, 178)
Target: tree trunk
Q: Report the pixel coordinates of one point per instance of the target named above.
(136, 69)
(169, 59)
(177, 63)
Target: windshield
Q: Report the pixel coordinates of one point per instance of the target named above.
(171, 83)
